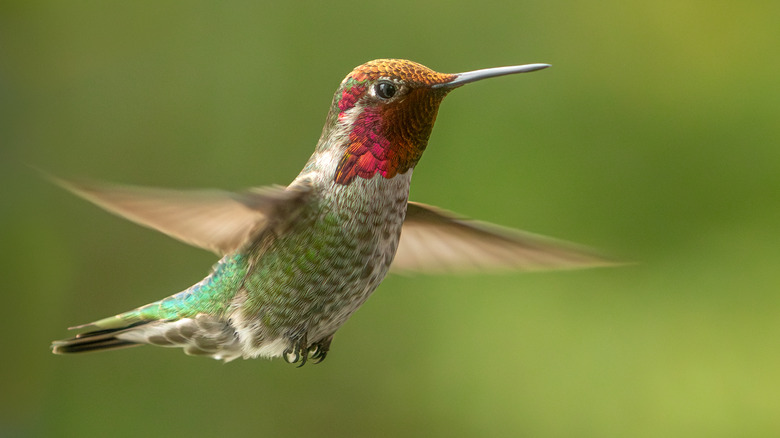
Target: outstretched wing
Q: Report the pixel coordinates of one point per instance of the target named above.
(216, 220)
(436, 241)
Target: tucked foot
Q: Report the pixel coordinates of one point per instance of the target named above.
(318, 350)
(301, 352)
(298, 352)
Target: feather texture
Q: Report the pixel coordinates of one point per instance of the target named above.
(216, 220)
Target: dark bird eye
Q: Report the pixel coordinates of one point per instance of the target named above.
(385, 90)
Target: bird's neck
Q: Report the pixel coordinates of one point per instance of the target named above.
(334, 155)
(361, 142)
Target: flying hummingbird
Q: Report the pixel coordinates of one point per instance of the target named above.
(297, 261)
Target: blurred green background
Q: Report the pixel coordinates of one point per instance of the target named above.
(654, 137)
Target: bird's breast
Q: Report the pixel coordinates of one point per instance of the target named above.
(327, 262)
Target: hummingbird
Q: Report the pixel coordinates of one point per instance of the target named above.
(298, 261)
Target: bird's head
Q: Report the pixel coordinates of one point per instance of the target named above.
(384, 112)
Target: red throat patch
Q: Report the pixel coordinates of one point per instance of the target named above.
(369, 151)
(387, 137)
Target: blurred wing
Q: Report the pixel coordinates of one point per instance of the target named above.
(435, 241)
(216, 220)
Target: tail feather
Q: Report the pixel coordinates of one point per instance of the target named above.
(202, 335)
(98, 340)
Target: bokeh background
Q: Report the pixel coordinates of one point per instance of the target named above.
(655, 137)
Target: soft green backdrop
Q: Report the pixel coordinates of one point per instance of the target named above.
(655, 137)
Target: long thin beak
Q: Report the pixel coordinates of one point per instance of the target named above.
(476, 75)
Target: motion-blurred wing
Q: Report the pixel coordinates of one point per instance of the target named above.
(216, 220)
(435, 241)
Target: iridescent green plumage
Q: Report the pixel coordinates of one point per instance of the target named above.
(211, 296)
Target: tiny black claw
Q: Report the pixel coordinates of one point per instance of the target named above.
(319, 357)
(304, 356)
(319, 350)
